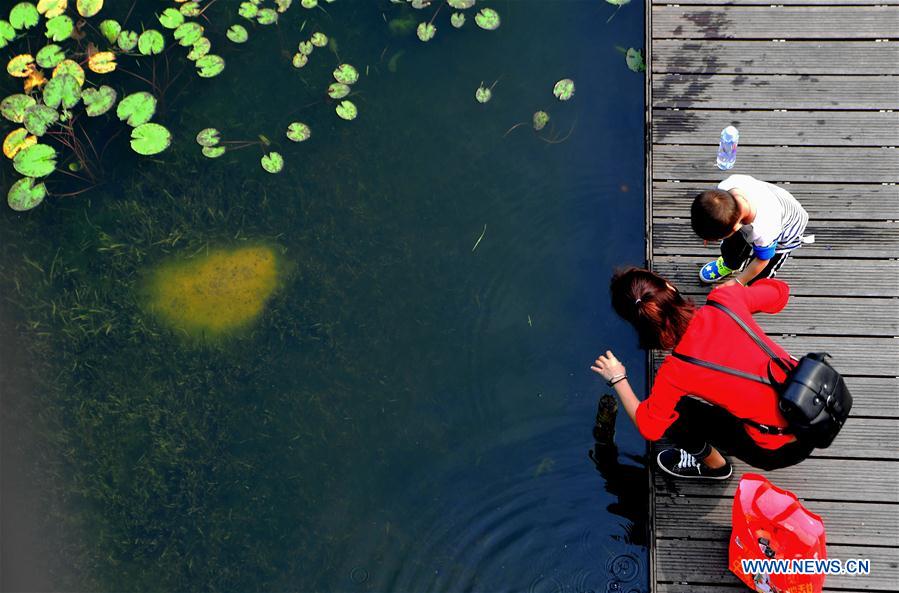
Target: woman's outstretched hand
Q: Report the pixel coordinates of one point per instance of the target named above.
(607, 366)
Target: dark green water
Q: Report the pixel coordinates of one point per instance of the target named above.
(409, 413)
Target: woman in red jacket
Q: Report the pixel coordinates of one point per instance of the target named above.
(704, 412)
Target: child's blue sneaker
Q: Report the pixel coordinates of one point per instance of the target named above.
(714, 271)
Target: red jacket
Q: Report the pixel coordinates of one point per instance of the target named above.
(712, 335)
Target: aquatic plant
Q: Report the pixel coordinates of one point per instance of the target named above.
(634, 60)
(486, 18)
(564, 89)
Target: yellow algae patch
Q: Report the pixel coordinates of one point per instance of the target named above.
(213, 294)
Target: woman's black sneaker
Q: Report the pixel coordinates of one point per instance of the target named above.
(681, 464)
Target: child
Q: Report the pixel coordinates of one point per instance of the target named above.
(759, 223)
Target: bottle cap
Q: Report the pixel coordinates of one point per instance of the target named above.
(730, 134)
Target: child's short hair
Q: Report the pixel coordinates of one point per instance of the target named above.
(714, 214)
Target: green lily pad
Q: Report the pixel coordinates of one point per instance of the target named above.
(25, 194)
(7, 33)
(346, 74)
(213, 152)
(347, 110)
(13, 107)
(137, 108)
(618, 2)
(110, 29)
(188, 33)
(283, 5)
(306, 48)
(487, 19)
(50, 56)
(60, 28)
(39, 118)
(191, 9)
(51, 8)
(338, 90)
(319, 39)
(457, 19)
(267, 16)
(62, 90)
(151, 42)
(199, 49)
(20, 66)
(634, 60)
(72, 68)
(98, 101)
(237, 33)
(23, 15)
(483, 94)
(564, 89)
(38, 160)
(309, 3)
(149, 139)
(299, 60)
(248, 10)
(210, 65)
(426, 31)
(89, 8)
(127, 40)
(171, 18)
(461, 4)
(209, 137)
(298, 132)
(541, 118)
(272, 162)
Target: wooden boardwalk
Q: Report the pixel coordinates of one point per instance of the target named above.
(813, 86)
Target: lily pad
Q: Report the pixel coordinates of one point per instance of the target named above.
(39, 118)
(98, 101)
(18, 139)
(309, 3)
(272, 162)
(457, 19)
(72, 68)
(38, 160)
(618, 2)
(347, 110)
(306, 48)
(110, 29)
(564, 89)
(487, 19)
(188, 33)
(171, 18)
(137, 108)
(267, 16)
(338, 90)
(483, 94)
(238, 33)
(461, 4)
(7, 33)
(102, 62)
(35, 79)
(149, 139)
(25, 194)
(210, 65)
(127, 40)
(23, 15)
(20, 66)
(13, 107)
(426, 31)
(634, 60)
(248, 10)
(319, 39)
(52, 8)
(191, 9)
(298, 132)
(209, 137)
(62, 90)
(150, 42)
(50, 56)
(299, 60)
(541, 118)
(346, 74)
(199, 49)
(213, 152)
(89, 8)
(60, 28)
(283, 5)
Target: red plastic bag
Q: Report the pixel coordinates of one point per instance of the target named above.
(770, 523)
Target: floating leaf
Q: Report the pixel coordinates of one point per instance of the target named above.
(20, 66)
(338, 90)
(488, 19)
(346, 74)
(151, 42)
(347, 110)
(541, 118)
(188, 33)
(210, 65)
(267, 16)
(13, 107)
(25, 195)
(319, 39)
(17, 140)
(72, 68)
(52, 8)
(171, 18)
(483, 94)
(564, 89)
(426, 31)
(23, 16)
(39, 118)
(213, 152)
(62, 90)
(272, 162)
(298, 132)
(127, 40)
(199, 49)
(7, 33)
(35, 79)
(98, 101)
(209, 137)
(283, 5)
(248, 10)
(137, 108)
(110, 29)
(618, 2)
(634, 60)
(50, 56)
(102, 62)
(89, 8)
(457, 19)
(309, 3)
(191, 9)
(461, 4)
(60, 28)
(237, 33)
(149, 139)
(306, 48)
(38, 160)
(299, 60)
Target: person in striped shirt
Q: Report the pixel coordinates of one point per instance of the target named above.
(758, 224)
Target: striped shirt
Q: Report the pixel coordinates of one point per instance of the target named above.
(780, 219)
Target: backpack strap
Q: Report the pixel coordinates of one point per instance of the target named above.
(755, 337)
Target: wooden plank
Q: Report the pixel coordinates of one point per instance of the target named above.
(849, 523)
(761, 91)
(821, 201)
(767, 22)
(774, 57)
(779, 128)
(706, 562)
(791, 163)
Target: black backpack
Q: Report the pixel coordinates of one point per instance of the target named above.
(813, 398)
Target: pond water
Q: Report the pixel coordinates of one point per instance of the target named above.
(412, 408)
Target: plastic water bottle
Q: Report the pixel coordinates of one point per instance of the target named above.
(727, 148)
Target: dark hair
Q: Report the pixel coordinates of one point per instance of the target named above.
(713, 214)
(659, 314)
